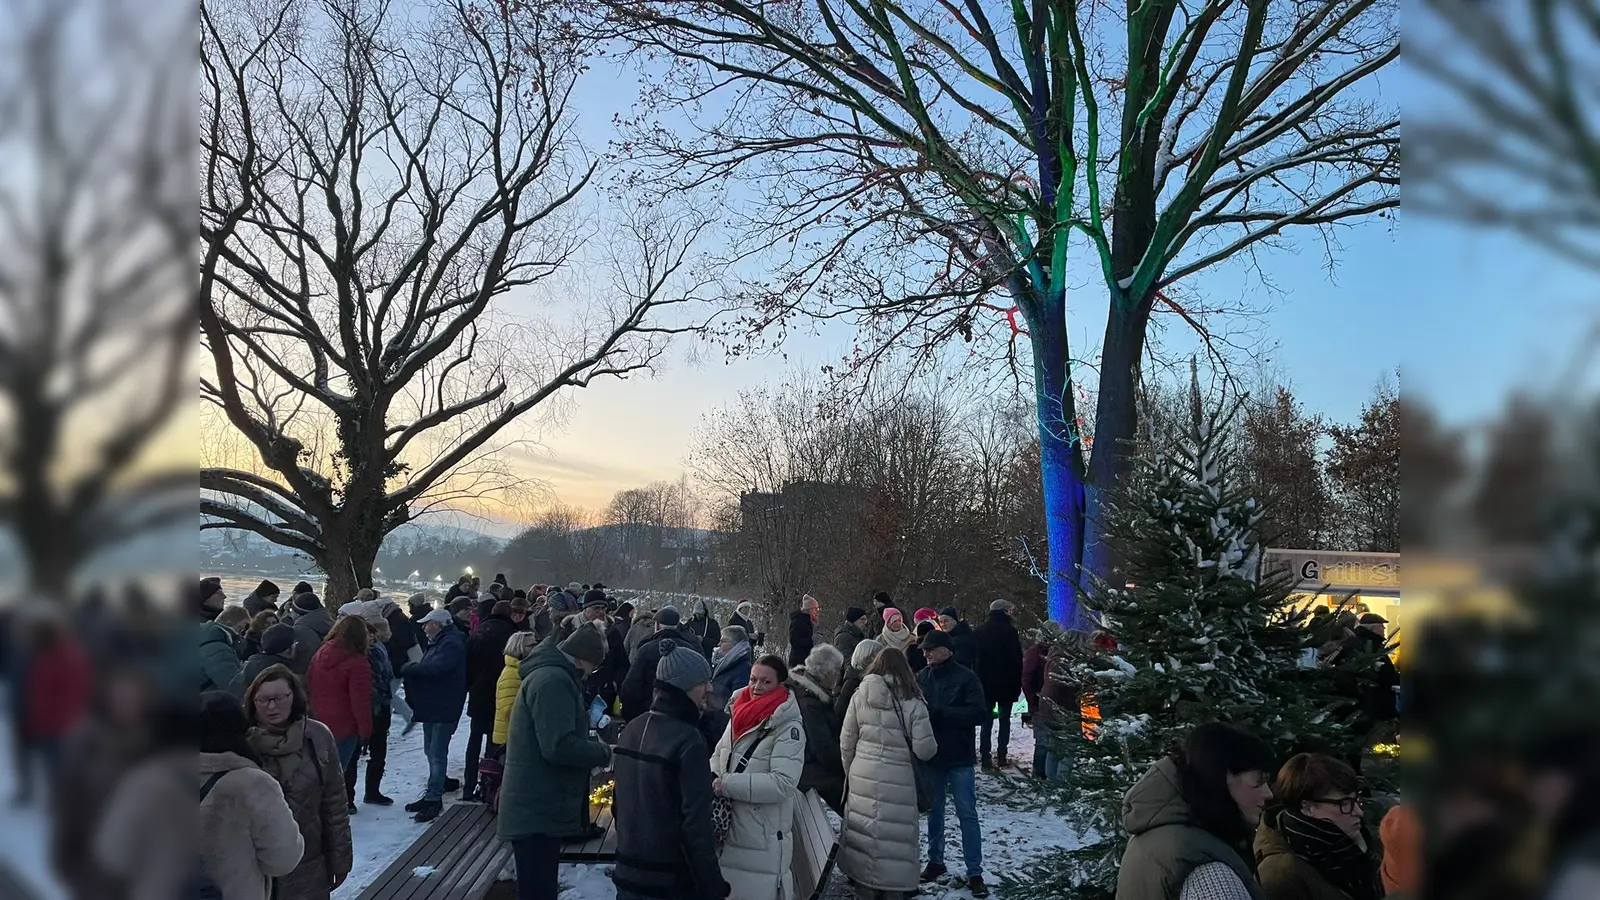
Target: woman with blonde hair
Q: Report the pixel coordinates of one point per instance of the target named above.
(518, 646)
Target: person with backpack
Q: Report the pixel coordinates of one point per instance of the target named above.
(955, 707)
(301, 754)
(245, 831)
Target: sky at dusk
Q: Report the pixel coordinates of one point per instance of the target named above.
(1334, 340)
(1463, 314)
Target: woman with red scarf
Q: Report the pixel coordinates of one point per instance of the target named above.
(757, 765)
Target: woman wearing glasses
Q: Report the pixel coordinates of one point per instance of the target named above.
(301, 754)
(1311, 844)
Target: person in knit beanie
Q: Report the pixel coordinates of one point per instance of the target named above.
(666, 846)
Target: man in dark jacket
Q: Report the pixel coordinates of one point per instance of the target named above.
(955, 708)
(544, 797)
(263, 598)
(486, 657)
(999, 670)
(666, 848)
(638, 688)
(741, 617)
(880, 602)
(705, 628)
(851, 632)
(616, 665)
(402, 633)
(311, 624)
(961, 635)
(436, 688)
(802, 630)
(277, 649)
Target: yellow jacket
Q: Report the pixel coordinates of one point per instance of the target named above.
(505, 695)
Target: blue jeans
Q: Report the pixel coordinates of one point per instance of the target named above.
(347, 750)
(961, 783)
(1041, 760)
(436, 747)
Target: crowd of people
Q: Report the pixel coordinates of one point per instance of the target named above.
(710, 738)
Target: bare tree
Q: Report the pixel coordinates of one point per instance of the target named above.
(379, 179)
(923, 168)
(96, 325)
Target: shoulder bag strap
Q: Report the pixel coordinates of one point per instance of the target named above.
(751, 750)
(905, 730)
(210, 783)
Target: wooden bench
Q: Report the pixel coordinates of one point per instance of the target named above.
(460, 858)
(602, 849)
(814, 843)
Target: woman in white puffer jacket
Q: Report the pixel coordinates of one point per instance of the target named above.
(880, 845)
(766, 728)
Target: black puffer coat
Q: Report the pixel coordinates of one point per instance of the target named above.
(999, 665)
(665, 845)
(801, 635)
(964, 644)
(486, 656)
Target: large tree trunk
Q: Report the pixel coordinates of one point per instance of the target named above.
(348, 564)
(1115, 424)
(1060, 466)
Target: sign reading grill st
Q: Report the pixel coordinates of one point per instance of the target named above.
(1334, 570)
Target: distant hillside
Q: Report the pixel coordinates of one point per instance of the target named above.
(415, 546)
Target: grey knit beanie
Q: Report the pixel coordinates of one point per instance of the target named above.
(682, 666)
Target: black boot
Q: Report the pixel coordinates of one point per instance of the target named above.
(451, 785)
(374, 798)
(415, 805)
(430, 810)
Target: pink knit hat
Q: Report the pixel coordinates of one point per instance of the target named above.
(891, 613)
(924, 614)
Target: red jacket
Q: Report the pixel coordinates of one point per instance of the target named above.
(340, 683)
(59, 685)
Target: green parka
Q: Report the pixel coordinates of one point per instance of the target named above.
(1166, 841)
(549, 754)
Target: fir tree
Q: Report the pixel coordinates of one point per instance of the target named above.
(1200, 637)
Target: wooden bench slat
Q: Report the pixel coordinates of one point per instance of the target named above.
(467, 839)
(460, 845)
(419, 852)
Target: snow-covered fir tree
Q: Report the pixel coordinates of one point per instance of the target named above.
(1200, 636)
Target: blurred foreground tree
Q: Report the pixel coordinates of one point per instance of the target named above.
(96, 289)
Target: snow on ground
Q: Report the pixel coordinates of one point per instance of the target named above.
(1017, 827)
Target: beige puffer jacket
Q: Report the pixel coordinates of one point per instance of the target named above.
(760, 847)
(879, 847)
(246, 834)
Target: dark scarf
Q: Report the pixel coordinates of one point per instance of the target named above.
(1332, 853)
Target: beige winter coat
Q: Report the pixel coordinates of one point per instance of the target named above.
(756, 858)
(246, 833)
(305, 762)
(879, 847)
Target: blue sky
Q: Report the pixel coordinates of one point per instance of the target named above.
(1463, 314)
